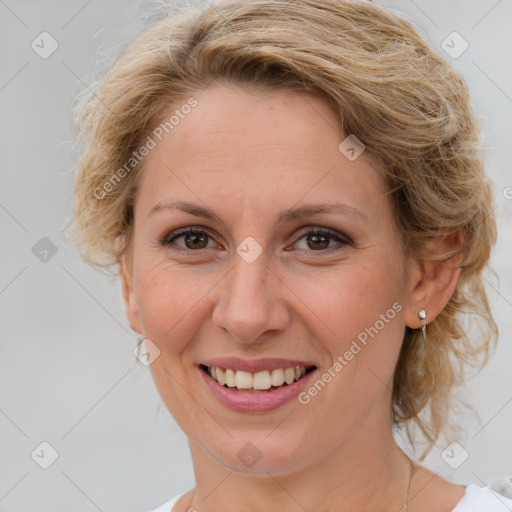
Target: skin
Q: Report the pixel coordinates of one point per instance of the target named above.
(250, 155)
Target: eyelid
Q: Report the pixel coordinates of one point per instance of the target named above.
(183, 231)
(324, 231)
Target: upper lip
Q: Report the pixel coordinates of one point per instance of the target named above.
(255, 365)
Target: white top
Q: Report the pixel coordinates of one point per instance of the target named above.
(476, 499)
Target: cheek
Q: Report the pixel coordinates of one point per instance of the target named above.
(172, 303)
(350, 298)
(357, 317)
(357, 320)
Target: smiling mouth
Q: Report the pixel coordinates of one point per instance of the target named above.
(265, 381)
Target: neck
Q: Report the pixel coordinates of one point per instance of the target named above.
(366, 472)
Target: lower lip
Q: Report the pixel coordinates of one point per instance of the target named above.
(255, 402)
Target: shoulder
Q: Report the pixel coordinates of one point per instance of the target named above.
(432, 492)
(167, 506)
(475, 499)
(483, 499)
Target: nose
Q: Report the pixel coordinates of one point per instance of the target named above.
(250, 302)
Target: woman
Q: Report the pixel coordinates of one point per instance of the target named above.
(294, 198)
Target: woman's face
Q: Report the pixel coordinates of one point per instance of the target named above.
(265, 279)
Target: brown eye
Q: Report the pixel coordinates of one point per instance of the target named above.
(321, 240)
(318, 241)
(196, 240)
(191, 239)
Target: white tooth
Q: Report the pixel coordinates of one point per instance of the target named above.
(258, 381)
(243, 380)
(230, 378)
(277, 378)
(289, 375)
(262, 380)
(221, 376)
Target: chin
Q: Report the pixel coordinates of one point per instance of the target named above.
(259, 455)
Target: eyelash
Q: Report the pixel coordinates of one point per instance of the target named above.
(169, 238)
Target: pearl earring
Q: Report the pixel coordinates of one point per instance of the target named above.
(422, 315)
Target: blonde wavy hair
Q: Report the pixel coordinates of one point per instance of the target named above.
(387, 86)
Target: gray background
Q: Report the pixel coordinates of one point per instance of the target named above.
(68, 375)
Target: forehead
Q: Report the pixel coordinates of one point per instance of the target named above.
(261, 148)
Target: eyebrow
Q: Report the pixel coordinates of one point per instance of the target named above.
(286, 215)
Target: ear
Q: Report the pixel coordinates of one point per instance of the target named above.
(432, 282)
(130, 304)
